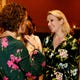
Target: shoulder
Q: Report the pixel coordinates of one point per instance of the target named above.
(36, 37)
(70, 38)
(15, 44)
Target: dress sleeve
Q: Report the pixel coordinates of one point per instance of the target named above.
(32, 66)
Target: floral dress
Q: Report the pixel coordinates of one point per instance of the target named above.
(61, 63)
(15, 62)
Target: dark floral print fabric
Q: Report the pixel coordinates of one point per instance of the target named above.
(15, 62)
(61, 63)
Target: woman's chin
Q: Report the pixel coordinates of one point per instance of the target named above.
(52, 31)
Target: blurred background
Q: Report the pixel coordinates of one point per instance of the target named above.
(38, 10)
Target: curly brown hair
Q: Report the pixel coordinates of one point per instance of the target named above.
(11, 15)
(29, 27)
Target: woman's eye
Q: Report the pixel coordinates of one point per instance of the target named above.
(47, 21)
(51, 20)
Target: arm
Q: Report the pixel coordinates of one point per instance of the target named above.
(32, 67)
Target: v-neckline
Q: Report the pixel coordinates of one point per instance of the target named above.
(58, 45)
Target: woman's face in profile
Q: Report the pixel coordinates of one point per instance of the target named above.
(23, 28)
(53, 23)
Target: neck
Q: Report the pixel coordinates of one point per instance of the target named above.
(8, 33)
(60, 34)
(60, 37)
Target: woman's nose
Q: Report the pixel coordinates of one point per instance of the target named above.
(48, 23)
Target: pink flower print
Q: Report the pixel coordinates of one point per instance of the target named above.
(18, 50)
(17, 59)
(15, 67)
(28, 74)
(4, 42)
(12, 57)
(32, 59)
(59, 75)
(59, 78)
(43, 64)
(35, 51)
(9, 63)
(5, 78)
(63, 53)
(33, 77)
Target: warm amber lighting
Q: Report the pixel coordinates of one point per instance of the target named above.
(74, 26)
(3, 3)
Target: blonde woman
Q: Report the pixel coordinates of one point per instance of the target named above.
(60, 49)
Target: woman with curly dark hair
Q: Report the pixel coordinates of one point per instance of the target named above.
(15, 62)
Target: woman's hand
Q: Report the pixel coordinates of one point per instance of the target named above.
(31, 41)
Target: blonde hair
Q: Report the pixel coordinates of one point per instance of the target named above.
(60, 15)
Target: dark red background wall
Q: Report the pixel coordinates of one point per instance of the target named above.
(38, 10)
